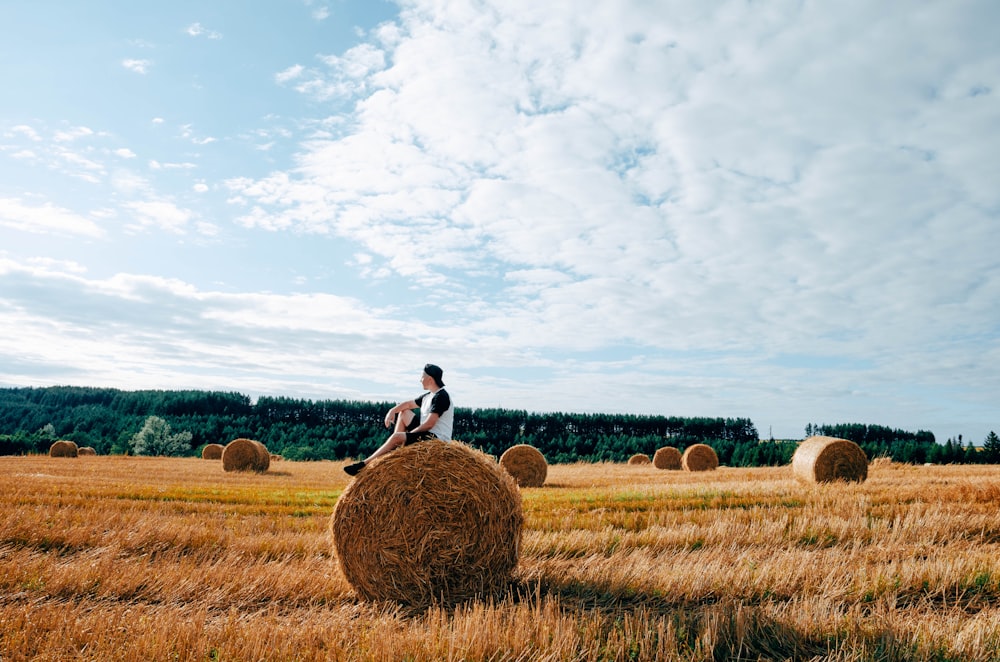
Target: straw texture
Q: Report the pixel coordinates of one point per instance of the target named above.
(526, 464)
(826, 459)
(245, 455)
(699, 457)
(639, 458)
(63, 448)
(667, 457)
(86, 450)
(212, 452)
(434, 522)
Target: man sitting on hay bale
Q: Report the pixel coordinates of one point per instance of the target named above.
(436, 416)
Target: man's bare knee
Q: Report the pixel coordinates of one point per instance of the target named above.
(403, 420)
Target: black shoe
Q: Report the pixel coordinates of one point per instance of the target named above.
(353, 469)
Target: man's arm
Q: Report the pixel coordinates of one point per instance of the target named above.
(390, 417)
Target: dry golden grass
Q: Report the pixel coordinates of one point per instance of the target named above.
(163, 558)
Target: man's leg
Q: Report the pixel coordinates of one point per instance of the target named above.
(395, 440)
(403, 421)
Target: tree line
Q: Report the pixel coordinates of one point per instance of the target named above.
(109, 420)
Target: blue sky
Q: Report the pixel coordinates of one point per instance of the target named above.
(786, 211)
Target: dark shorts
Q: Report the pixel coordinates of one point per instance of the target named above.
(414, 437)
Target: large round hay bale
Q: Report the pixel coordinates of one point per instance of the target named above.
(86, 450)
(667, 457)
(245, 455)
(431, 522)
(825, 459)
(526, 464)
(699, 457)
(639, 458)
(212, 452)
(64, 448)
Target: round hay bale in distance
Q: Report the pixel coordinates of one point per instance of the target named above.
(86, 450)
(245, 455)
(699, 457)
(826, 459)
(667, 457)
(639, 458)
(64, 448)
(212, 452)
(526, 464)
(434, 522)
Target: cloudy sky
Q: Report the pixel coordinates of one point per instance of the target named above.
(780, 210)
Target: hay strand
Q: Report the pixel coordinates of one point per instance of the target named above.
(526, 464)
(826, 459)
(245, 455)
(212, 452)
(64, 448)
(667, 457)
(428, 523)
(639, 458)
(699, 457)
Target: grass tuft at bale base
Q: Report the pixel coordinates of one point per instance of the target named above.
(526, 464)
(431, 523)
(699, 457)
(825, 459)
(667, 457)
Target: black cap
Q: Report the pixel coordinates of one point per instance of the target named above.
(435, 372)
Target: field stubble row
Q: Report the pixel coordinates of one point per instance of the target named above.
(150, 558)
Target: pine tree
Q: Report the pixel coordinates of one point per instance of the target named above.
(991, 448)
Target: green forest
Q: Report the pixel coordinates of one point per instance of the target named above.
(109, 420)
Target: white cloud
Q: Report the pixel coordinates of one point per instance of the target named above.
(69, 326)
(45, 219)
(139, 66)
(198, 30)
(26, 131)
(159, 214)
(187, 132)
(291, 73)
(128, 182)
(72, 134)
(345, 75)
(125, 153)
(25, 155)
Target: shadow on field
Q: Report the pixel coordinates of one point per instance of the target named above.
(724, 628)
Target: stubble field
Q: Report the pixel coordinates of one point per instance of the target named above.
(131, 558)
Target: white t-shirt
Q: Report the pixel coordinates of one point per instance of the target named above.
(438, 402)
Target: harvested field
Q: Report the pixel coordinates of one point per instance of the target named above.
(133, 558)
